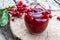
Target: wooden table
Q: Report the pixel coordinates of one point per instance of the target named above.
(52, 31)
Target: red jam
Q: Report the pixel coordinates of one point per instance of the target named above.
(34, 22)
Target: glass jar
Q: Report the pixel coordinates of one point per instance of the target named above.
(34, 21)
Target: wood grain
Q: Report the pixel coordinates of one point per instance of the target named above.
(52, 32)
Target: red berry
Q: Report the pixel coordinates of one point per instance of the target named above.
(48, 11)
(45, 16)
(58, 18)
(24, 5)
(25, 11)
(29, 10)
(19, 15)
(17, 12)
(23, 8)
(50, 16)
(44, 13)
(35, 10)
(26, 14)
(12, 19)
(11, 11)
(20, 9)
(20, 3)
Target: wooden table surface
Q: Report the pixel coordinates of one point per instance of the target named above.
(52, 31)
(5, 33)
(18, 27)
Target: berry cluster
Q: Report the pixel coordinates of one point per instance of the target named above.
(19, 10)
(22, 8)
(30, 10)
(46, 14)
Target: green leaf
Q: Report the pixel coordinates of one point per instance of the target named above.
(1, 11)
(4, 19)
(0, 20)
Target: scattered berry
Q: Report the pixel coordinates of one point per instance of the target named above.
(58, 18)
(12, 19)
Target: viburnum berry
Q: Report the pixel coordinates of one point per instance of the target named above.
(48, 11)
(19, 3)
(24, 5)
(11, 11)
(35, 11)
(29, 10)
(19, 10)
(19, 15)
(50, 16)
(16, 12)
(25, 11)
(21, 6)
(58, 18)
(12, 19)
(43, 13)
(45, 16)
(22, 9)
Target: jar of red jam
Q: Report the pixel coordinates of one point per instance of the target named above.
(37, 20)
